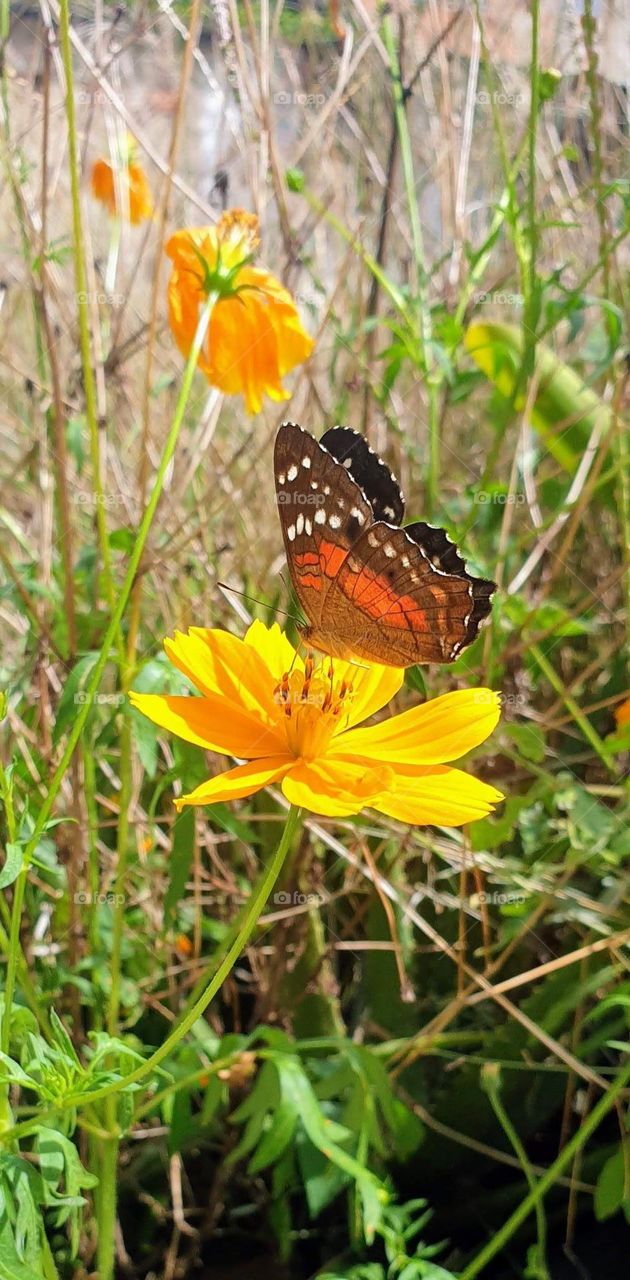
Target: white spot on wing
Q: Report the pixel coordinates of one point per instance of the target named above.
(389, 550)
(372, 539)
(292, 472)
(358, 515)
(299, 524)
(281, 477)
(334, 521)
(291, 532)
(320, 516)
(306, 462)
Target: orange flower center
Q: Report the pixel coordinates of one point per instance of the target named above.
(237, 232)
(311, 702)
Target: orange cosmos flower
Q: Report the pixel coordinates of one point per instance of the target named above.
(255, 336)
(622, 714)
(133, 182)
(294, 723)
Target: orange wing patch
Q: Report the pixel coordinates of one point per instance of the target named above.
(374, 596)
(331, 558)
(377, 598)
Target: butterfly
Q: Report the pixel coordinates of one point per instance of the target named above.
(370, 589)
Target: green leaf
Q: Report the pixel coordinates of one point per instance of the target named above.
(12, 1267)
(529, 739)
(183, 1125)
(276, 1139)
(609, 1197)
(563, 400)
(12, 865)
(73, 694)
(145, 737)
(76, 434)
(296, 1087)
(415, 680)
(295, 180)
(62, 1039)
(122, 540)
(181, 859)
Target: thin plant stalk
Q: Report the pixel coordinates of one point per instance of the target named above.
(108, 1172)
(581, 1136)
(425, 336)
(83, 311)
(491, 1078)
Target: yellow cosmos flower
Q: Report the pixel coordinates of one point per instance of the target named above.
(295, 724)
(134, 184)
(255, 336)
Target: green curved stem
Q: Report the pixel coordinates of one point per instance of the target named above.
(544, 1184)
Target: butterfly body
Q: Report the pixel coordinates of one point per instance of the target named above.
(371, 589)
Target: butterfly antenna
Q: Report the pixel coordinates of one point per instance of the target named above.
(264, 604)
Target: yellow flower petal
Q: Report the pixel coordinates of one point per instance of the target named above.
(443, 729)
(273, 647)
(239, 782)
(442, 796)
(218, 662)
(335, 789)
(208, 723)
(373, 687)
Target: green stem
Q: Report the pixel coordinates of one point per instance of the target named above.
(122, 848)
(547, 1180)
(530, 317)
(492, 1083)
(83, 311)
(432, 374)
(395, 296)
(19, 888)
(572, 707)
(107, 1185)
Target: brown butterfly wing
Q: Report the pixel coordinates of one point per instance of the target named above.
(322, 511)
(404, 596)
